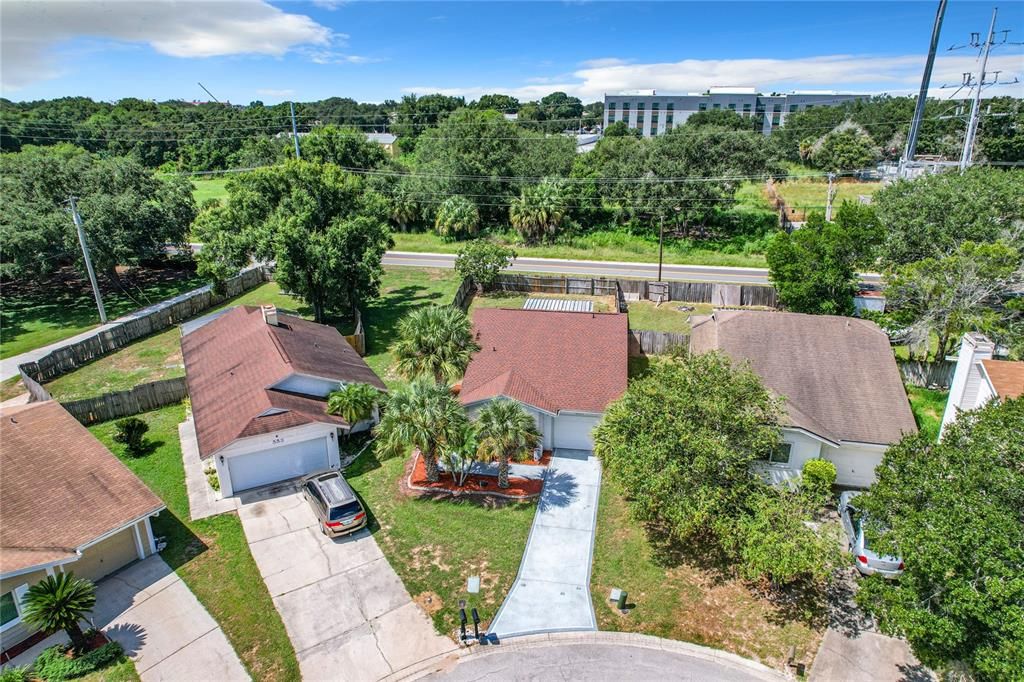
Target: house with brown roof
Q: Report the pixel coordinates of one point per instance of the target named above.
(67, 504)
(564, 367)
(843, 395)
(979, 378)
(258, 382)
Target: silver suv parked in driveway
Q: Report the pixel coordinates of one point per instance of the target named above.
(334, 503)
(866, 561)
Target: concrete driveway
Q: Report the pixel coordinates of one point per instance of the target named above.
(346, 611)
(552, 589)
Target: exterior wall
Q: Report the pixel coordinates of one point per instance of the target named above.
(802, 448)
(969, 387)
(543, 420)
(855, 463)
(268, 441)
(19, 631)
(774, 108)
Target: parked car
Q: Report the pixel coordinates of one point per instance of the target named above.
(866, 561)
(334, 502)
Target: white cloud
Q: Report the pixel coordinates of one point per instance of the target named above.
(32, 29)
(329, 4)
(335, 57)
(856, 73)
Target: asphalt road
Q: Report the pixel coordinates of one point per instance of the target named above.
(690, 273)
(596, 663)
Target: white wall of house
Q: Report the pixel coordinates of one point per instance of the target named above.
(802, 448)
(970, 387)
(855, 462)
(277, 456)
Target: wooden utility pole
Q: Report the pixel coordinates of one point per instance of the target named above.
(831, 195)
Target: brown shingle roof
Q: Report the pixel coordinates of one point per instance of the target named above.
(232, 361)
(837, 374)
(60, 488)
(551, 360)
(1007, 377)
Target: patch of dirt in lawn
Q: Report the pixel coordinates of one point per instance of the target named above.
(429, 602)
(429, 555)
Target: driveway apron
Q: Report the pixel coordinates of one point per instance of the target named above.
(346, 611)
(552, 589)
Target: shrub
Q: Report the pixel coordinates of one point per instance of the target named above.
(483, 261)
(213, 479)
(53, 664)
(17, 673)
(816, 481)
(131, 431)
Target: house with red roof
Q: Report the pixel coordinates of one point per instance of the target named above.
(564, 367)
(979, 377)
(258, 381)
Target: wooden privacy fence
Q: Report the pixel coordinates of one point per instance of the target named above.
(357, 339)
(142, 398)
(644, 342)
(464, 294)
(580, 286)
(172, 312)
(927, 374)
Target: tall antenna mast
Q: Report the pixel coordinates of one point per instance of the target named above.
(209, 93)
(922, 95)
(972, 125)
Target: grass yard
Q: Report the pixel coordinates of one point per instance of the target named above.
(122, 671)
(810, 194)
(38, 314)
(211, 555)
(666, 317)
(436, 544)
(685, 601)
(602, 246)
(928, 406)
(212, 188)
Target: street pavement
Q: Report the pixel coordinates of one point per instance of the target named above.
(552, 589)
(689, 273)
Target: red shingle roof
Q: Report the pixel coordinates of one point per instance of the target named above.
(60, 488)
(1006, 377)
(232, 361)
(550, 360)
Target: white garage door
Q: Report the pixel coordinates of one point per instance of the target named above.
(277, 464)
(574, 432)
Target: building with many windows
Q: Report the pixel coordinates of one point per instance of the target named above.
(654, 114)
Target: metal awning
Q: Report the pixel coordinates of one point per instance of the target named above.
(559, 304)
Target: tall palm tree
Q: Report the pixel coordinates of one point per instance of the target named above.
(538, 211)
(422, 415)
(354, 402)
(457, 217)
(58, 602)
(505, 429)
(436, 342)
(404, 209)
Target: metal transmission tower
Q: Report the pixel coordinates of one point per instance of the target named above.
(88, 260)
(922, 95)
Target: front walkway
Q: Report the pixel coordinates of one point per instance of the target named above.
(552, 589)
(346, 611)
(161, 625)
(202, 500)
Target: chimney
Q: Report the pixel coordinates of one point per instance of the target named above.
(965, 386)
(270, 314)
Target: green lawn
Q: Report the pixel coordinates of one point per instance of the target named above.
(35, 315)
(604, 246)
(928, 406)
(808, 194)
(435, 545)
(213, 188)
(211, 555)
(665, 317)
(122, 671)
(677, 598)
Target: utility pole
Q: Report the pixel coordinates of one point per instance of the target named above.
(661, 245)
(295, 131)
(88, 261)
(922, 95)
(972, 124)
(829, 196)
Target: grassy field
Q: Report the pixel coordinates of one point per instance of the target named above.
(211, 555)
(435, 545)
(604, 246)
(36, 315)
(928, 406)
(212, 188)
(680, 599)
(666, 317)
(809, 194)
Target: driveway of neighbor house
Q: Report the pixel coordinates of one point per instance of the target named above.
(346, 611)
(552, 589)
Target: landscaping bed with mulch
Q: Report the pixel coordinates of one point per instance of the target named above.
(519, 488)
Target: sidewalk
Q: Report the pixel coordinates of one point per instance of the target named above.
(203, 501)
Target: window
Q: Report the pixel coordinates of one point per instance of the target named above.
(703, 106)
(792, 108)
(8, 609)
(625, 109)
(732, 107)
(775, 118)
(669, 120)
(746, 109)
(655, 106)
(779, 454)
(639, 106)
(716, 105)
(670, 107)
(611, 116)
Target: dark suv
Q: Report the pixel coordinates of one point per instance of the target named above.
(334, 503)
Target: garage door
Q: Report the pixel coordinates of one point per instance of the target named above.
(277, 464)
(574, 432)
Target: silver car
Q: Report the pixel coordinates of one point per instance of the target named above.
(866, 561)
(334, 502)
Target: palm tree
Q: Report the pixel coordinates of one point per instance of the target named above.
(457, 217)
(404, 209)
(422, 415)
(505, 429)
(538, 211)
(436, 342)
(354, 402)
(58, 602)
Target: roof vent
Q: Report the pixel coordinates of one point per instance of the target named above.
(270, 314)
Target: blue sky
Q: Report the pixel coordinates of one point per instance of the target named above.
(245, 50)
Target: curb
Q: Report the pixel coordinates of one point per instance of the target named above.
(449, 660)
